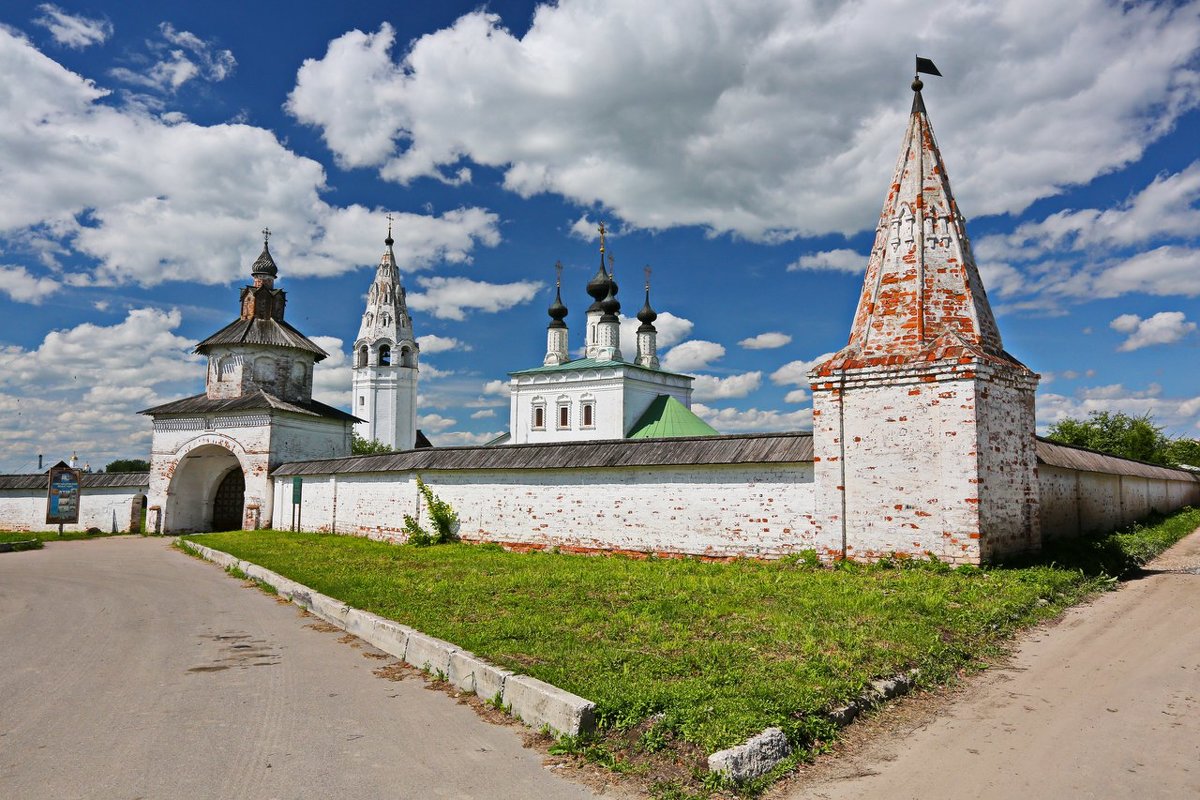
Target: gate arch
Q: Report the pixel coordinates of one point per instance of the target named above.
(192, 495)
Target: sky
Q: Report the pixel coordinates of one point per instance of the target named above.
(740, 150)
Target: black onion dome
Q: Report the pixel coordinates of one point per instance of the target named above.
(264, 265)
(597, 287)
(610, 305)
(647, 315)
(557, 310)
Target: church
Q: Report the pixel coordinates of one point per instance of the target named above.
(923, 442)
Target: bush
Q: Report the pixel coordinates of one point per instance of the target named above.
(445, 520)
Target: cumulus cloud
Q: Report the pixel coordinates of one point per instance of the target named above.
(836, 260)
(1176, 413)
(24, 287)
(484, 413)
(451, 298)
(766, 341)
(73, 30)
(497, 388)
(464, 438)
(670, 331)
(707, 387)
(179, 56)
(432, 343)
(332, 376)
(695, 122)
(434, 422)
(797, 396)
(80, 388)
(1165, 327)
(795, 373)
(123, 188)
(732, 420)
(692, 355)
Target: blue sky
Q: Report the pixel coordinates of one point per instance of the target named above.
(740, 150)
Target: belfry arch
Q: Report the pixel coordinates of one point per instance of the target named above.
(207, 491)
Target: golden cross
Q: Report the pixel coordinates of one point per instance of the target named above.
(602, 229)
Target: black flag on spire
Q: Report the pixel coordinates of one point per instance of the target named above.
(925, 65)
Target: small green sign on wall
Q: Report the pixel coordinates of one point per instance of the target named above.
(297, 489)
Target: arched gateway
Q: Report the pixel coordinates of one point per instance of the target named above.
(212, 454)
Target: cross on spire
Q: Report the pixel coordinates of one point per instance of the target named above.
(266, 232)
(558, 268)
(603, 230)
(646, 270)
(389, 219)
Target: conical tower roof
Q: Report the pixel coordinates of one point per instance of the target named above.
(922, 297)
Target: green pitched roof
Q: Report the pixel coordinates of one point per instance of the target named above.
(667, 417)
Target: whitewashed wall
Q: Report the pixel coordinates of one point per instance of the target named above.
(25, 509)
(1076, 502)
(707, 510)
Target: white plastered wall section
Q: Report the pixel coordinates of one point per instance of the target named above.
(386, 397)
(704, 510)
(1076, 502)
(25, 509)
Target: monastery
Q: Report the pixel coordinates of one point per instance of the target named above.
(923, 441)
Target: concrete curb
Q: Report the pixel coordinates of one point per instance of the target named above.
(536, 703)
(760, 754)
(19, 547)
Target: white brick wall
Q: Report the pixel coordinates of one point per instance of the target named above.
(25, 509)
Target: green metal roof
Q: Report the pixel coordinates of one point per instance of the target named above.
(593, 363)
(668, 418)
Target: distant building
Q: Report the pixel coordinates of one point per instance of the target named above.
(384, 383)
(211, 454)
(601, 395)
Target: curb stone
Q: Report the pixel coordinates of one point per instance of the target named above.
(535, 702)
(760, 754)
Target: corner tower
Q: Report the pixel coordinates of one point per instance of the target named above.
(384, 383)
(923, 425)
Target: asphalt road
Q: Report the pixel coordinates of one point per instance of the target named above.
(1103, 704)
(129, 670)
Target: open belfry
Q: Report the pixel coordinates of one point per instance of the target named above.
(923, 425)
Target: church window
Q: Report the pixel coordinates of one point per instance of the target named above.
(362, 356)
(385, 319)
(370, 319)
(385, 356)
(406, 359)
(564, 416)
(539, 415)
(264, 369)
(362, 401)
(587, 415)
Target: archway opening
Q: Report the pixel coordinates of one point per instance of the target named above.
(199, 477)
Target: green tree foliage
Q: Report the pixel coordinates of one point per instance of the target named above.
(1119, 434)
(367, 447)
(127, 465)
(1184, 451)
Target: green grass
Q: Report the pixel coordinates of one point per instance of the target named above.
(50, 536)
(722, 650)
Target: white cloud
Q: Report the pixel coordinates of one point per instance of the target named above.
(73, 30)
(484, 413)
(796, 396)
(692, 355)
(24, 287)
(1176, 413)
(151, 201)
(332, 376)
(451, 298)
(706, 387)
(81, 387)
(1165, 327)
(732, 420)
(795, 373)
(837, 260)
(181, 56)
(434, 422)
(432, 343)
(695, 122)
(670, 331)
(586, 229)
(766, 341)
(497, 388)
(464, 438)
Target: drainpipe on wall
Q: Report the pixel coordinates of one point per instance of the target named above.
(842, 454)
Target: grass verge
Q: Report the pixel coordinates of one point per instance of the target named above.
(51, 536)
(686, 657)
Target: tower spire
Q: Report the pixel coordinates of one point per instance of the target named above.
(556, 331)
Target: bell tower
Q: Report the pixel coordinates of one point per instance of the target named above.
(384, 383)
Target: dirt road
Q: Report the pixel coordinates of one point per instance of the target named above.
(1103, 704)
(128, 670)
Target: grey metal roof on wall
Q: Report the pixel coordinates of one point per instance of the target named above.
(1055, 454)
(87, 480)
(761, 448)
(203, 404)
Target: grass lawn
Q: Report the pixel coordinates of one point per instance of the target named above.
(51, 536)
(722, 650)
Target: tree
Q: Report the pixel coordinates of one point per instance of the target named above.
(1118, 434)
(1184, 451)
(367, 447)
(127, 465)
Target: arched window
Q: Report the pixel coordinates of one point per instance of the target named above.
(264, 369)
(539, 415)
(564, 416)
(362, 356)
(587, 413)
(385, 356)
(406, 359)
